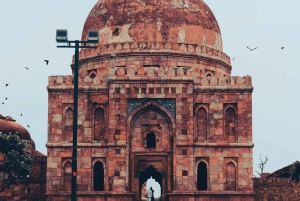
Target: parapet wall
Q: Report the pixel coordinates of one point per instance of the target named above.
(276, 189)
(66, 80)
(154, 47)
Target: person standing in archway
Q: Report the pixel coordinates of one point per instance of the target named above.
(149, 194)
(152, 197)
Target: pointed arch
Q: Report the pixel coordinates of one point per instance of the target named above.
(68, 124)
(230, 123)
(99, 124)
(146, 106)
(67, 176)
(202, 180)
(230, 176)
(202, 123)
(147, 174)
(159, 109)
(98, 179)
(161, 122)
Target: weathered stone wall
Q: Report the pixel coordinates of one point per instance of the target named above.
(179, 101)
(216, 160)
(163, 80)
(31, 188)
(276, 189)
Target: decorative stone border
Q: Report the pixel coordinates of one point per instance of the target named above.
(154, 47)
(212, 81)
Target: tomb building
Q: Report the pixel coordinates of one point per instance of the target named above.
(156, 99)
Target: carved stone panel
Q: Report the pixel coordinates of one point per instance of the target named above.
(143, 161)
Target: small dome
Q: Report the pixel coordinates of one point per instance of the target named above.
(8, 124)
(174, 21)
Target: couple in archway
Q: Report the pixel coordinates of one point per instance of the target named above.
(150, 194)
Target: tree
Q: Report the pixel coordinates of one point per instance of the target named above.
(15, 163)
(295, 173)
(262, 165)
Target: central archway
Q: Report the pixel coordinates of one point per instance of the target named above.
(151, 130)
(147, 174)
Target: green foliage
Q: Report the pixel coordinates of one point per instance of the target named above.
(295, 173)
(15, 164)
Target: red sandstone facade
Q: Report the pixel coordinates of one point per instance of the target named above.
(156, 98)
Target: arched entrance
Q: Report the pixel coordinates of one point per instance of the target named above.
(151, 129)
(147, 174)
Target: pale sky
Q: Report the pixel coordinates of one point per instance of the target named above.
(28, 37)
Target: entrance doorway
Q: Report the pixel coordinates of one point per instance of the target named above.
(145, 176)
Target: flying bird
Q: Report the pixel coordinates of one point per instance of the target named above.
(26, 68)
(2, 103)
(233, 58)
(251, 49)
(6, 85)
(282, 48)
(47, 61)
(6, 98)
(28, 126)
(21, 114)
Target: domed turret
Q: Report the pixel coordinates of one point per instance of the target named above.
(8, 125)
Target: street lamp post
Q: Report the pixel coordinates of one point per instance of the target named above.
(62, 37)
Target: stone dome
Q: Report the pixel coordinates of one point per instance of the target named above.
(8, 124)
(174, 21)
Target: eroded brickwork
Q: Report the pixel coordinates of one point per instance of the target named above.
(31, 188)
(194, 122)
(153, 108)
(276, 189)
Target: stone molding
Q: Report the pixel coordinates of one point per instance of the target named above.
(86, 193)
(153, 48)
(220, 89)
(215, 193)
(209, 144)
(84, 145)
(197, 89)
(63, 81)
(152, 79)
(93, 145)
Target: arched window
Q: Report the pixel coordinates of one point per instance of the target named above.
(202, 176)
(230, 121)
(151, 141)
(98, 176)
(67, 176)
(230, 177)
(68, 124)
(99, 124)
(202, 124)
